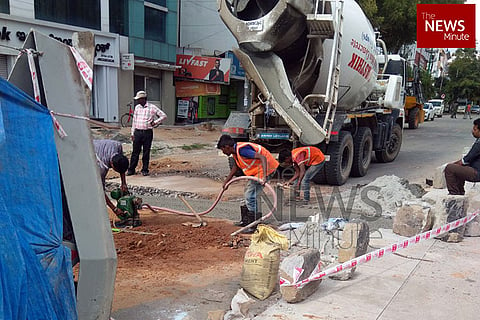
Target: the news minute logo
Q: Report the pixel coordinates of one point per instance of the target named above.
(445, 25)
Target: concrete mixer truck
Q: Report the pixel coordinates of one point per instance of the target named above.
(314, 80)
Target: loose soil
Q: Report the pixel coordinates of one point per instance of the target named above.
(163, 264)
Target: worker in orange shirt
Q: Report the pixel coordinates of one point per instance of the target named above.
(255, 161)
(301, 158)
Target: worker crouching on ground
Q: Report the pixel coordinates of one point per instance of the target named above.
(110, 155)
(465, 169)
(255, 161)
(300, 158)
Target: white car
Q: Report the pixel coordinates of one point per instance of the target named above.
(438, 105)
(429, 111)
(461, 109)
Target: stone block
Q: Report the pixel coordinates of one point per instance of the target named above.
(354, 242)
(306, 259)
(472, 229)
(454, 208)
(412, 219)
(439, 181)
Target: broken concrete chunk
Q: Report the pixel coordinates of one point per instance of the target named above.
(354, 243)
(472, 229)
(297, 267)
(412, 219)
(439, 181)
(454, 208)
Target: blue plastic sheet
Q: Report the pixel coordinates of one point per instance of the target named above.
(36, 280)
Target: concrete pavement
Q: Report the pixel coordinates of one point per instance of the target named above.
(434, 280)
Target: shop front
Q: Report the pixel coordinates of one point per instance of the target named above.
(106, 62)
(205, 88)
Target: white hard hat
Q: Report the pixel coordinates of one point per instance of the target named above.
(140, 94)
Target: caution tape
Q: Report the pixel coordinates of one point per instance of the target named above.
(85, 71)
(377, 254)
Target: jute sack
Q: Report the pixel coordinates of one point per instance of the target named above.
(262, 261)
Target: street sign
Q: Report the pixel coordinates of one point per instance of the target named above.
(443, 96)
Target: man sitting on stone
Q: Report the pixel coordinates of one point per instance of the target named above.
(467, 168)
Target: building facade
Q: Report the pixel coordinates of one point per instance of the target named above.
(143, 33)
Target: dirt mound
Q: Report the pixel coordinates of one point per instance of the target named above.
(152, 266)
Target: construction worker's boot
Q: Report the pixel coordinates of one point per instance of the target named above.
(251, 217)
(244, 220)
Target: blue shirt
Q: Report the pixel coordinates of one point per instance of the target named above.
(246, 151)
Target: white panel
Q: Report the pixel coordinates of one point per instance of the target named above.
(105, 94)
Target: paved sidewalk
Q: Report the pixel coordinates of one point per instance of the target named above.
(443, 285)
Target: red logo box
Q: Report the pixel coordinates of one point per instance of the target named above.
(445, 26)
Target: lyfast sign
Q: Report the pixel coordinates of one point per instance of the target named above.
(203, 68)
(445, 25)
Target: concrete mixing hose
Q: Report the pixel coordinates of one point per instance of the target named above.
(267, 186)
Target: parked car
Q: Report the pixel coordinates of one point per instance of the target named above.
(439, 106)
(475, 109)
(429, 111)
(461, 108)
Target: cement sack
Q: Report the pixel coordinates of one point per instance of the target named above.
(262, 261)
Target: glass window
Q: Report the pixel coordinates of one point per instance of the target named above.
(151, 85)
(81, 13)
(159, 2)
(153, 89)
(119, 17)
(4, 6)
(155, 24)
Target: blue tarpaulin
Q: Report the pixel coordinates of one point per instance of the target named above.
(36, 279)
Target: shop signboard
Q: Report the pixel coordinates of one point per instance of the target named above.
(199, 68)
(192, 88)
(14, 32)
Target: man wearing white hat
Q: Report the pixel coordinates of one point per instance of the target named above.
(146, 116)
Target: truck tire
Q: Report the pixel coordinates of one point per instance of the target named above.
(362, 152)
(393, 146)
(231, 162)
(338, 169)
(413, 119)
(320, 177)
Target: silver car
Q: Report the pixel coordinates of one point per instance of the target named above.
(429, 111)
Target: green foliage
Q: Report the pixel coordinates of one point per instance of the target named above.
(427, 85)
(396, 19)
(463, 73)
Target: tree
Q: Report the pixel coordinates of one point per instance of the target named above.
(396, 19)
(463, 75)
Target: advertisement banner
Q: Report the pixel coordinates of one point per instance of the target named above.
(445, 26)
(236, 70)
(192, 88)
(203, 68)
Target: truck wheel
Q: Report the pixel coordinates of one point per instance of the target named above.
(231, 162)
(362, 152)
(320, 177)
(413, 119)
(393, 146)
(339, 167)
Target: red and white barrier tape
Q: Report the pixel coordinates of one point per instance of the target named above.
(33, 74)
(85, 71)
(61, 132)
(377, 254)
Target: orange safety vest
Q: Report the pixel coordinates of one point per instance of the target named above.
(253, 167)
(313, 155)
